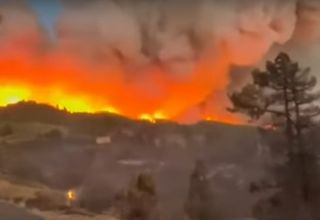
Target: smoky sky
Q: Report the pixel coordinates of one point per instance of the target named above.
(171, 36)
(173, 33)
(47, 13)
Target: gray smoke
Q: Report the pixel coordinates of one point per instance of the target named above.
(172, 37)
(178, 33)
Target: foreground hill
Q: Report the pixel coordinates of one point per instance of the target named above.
(11, 212)
(98, 154)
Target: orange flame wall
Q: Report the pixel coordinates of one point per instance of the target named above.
(145, 59)
(108, 57)
(142, 59)
(62, 80)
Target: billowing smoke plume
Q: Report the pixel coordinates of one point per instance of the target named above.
(179, 33)
(149, 56)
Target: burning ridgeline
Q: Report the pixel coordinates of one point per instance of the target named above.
(144, 67)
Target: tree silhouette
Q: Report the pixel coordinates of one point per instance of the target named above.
(284, 93)
(6, 130)
(139, 202)
(199, 204)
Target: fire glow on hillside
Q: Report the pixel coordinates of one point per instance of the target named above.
(106, 56)
(71, 88)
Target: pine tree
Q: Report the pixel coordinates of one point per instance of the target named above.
(139, 202)
(284, 92)
(199, 205)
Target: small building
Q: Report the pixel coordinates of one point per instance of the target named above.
(102, 140)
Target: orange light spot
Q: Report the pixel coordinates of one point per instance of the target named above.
(71, 196)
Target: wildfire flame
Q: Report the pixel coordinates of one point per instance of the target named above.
(151, 93)
(61, 84)
(12, 95)
(81, 103)
(153, 118)
(141, 70)
(71, 196)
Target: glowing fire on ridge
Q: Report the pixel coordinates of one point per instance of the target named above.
(151, 95)
(132, 70)
(153, 118)
(74, 104)
(12, 95)
(15, 94)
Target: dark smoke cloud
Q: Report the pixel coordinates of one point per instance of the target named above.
(308, 23)
(176, 33)
(172, 35)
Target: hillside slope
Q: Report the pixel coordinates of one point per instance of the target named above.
(98, 154)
